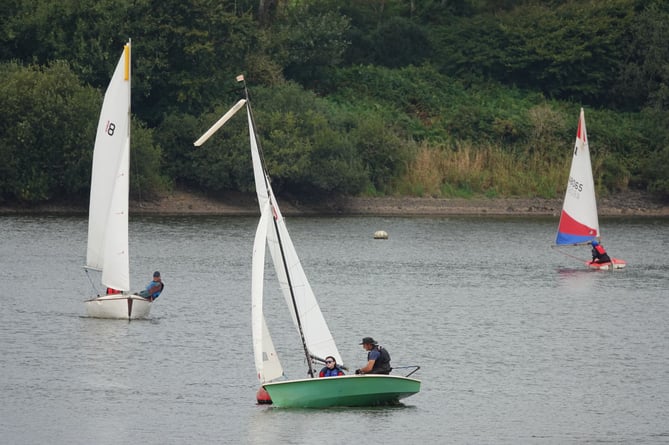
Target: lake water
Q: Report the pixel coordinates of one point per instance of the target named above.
(516, 342)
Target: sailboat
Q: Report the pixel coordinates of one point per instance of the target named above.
(316, 339)
(107, 248)
(579, 222)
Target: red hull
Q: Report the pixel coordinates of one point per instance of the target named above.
(615, 263)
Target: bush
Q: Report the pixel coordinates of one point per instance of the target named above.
(47, 134)
(46, 117)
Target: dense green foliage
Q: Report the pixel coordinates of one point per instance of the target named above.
(47, 125)
(40, 160)
(350, 97)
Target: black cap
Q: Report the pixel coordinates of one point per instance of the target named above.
(368, 341)
(156, 274)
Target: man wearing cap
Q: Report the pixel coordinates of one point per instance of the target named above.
(378, 358)
(154, 288)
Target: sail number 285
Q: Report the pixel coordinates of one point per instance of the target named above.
(573, 183)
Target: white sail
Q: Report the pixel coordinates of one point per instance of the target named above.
(578, 221)
(267, 362)
(116, 268)
(354, 390)
(107, 248)
(291, 276)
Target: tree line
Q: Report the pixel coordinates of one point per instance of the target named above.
(429, 98)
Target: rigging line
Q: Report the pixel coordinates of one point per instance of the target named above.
(569, 255)
(95, 290)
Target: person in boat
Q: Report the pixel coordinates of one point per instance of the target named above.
(154, 288)
(599, 254)
(331, 368)
(378, 358)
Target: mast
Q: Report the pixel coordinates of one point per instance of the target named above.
(278, 235)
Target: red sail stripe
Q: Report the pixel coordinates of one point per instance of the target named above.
(572, 227)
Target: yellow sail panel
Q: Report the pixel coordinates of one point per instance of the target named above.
(126, 58)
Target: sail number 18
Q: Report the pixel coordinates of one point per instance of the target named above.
(111, 127)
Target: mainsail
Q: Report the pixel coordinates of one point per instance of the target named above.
(107, 248)
(304, 308)
(578, 220)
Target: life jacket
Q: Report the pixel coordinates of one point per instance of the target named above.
(382, 364)
(327, 372)
(111, 291)
(601, 255)
(157, 294)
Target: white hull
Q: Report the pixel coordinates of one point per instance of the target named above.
(125, 307)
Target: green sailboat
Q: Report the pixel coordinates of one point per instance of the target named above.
(316, 338)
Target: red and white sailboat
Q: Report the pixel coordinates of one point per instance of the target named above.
(579, 223)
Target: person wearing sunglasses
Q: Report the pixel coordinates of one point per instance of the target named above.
(331, 369)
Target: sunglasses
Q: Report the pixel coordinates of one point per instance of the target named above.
(329, 361)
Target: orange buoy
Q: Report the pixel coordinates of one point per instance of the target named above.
(263, 397)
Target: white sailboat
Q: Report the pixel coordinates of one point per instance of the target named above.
(579, 222)
(107, 248)
(316, 338)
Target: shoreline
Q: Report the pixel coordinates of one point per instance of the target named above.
(177, 203)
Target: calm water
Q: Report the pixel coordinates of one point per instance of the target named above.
(517, 343)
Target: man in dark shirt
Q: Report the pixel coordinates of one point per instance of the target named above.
(378, 358)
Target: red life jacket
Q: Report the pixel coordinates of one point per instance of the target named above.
(600, 250)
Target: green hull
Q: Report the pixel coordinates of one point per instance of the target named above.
(350, 390)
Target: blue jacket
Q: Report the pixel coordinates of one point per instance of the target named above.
(154, 288)
(327, 372)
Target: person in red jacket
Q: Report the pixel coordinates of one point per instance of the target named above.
(599, 254)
